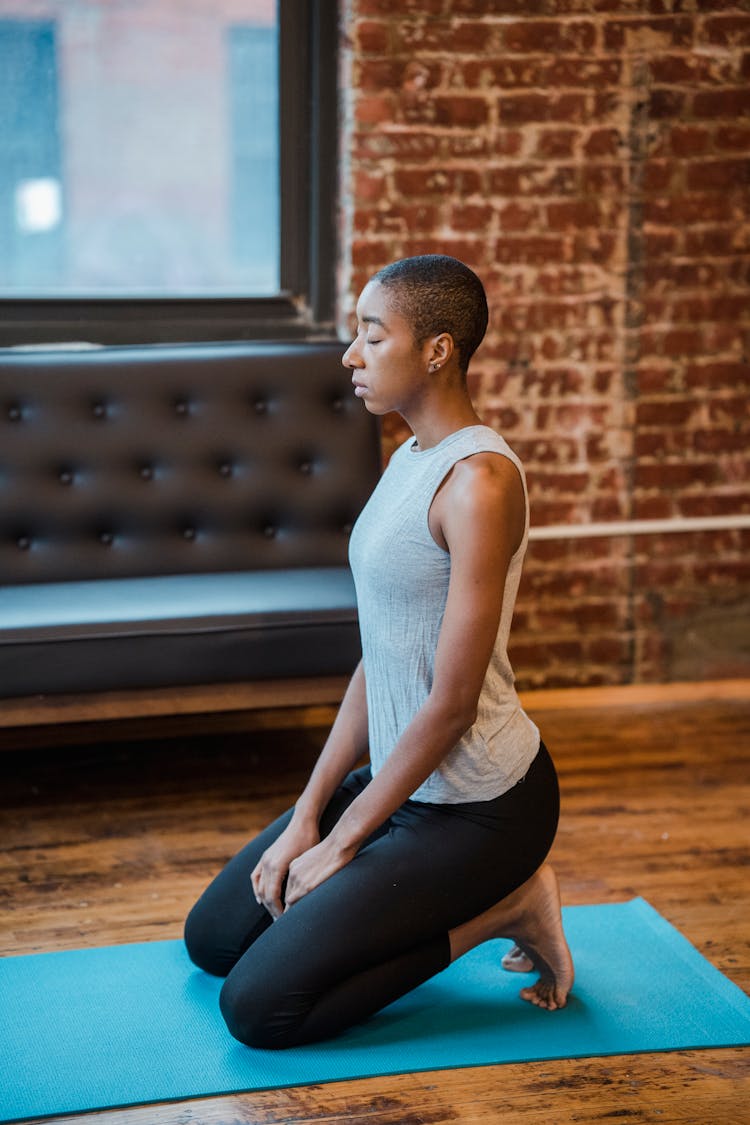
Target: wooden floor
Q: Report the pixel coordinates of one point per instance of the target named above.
(111, 843)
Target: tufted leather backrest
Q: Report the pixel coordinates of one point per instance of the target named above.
(181, 459)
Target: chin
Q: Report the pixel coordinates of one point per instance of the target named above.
(375, 408)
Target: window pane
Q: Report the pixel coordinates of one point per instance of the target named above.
(139, 148)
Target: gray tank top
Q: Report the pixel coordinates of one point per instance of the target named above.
(401, 576)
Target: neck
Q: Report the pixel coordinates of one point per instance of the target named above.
(441, 417)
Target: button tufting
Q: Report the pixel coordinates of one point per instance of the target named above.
(15, 412)
(305, 467)
(146, 472)
(65, 476)
(269, 531)
(99, 409)
(182, 407)
(23, 542)
(260, 406)
(106, 538)
(337, 405)
(225, 469)
(189, 533)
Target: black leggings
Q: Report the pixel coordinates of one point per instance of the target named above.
(379, 926)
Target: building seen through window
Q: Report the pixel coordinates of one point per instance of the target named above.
(139, 148)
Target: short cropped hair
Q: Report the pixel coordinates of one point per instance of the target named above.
(437, 293)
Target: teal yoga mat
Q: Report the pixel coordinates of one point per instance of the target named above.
(95, 1028)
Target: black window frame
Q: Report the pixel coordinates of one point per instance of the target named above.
(305, 307)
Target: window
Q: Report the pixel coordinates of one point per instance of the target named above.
(166, 169)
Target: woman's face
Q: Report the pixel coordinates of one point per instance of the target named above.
(389, 370)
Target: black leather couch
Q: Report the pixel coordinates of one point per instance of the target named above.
(178, 515)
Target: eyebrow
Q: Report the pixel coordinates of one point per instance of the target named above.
(373, 320)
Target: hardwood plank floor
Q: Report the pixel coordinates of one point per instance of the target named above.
(111, 843)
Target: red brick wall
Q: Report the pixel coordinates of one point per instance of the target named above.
(591, 160)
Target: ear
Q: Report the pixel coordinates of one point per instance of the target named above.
(440, 349)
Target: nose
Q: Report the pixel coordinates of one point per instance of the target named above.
(351, 357)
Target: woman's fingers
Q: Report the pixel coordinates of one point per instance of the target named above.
(267, 883)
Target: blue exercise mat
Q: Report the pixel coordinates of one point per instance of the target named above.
(96, 1028)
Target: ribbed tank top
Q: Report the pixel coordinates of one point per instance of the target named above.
(401, 577)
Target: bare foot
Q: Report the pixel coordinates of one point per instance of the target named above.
(516, 961)
(532, 918)
(537, 931)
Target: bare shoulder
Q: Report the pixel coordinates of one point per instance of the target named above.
(482, 489)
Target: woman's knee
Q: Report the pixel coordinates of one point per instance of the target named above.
(203, 943)
(260, 1014)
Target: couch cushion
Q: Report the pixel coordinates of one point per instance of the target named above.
(179, 629)
(194, 459)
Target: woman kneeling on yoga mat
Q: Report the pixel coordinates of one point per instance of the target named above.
(380, 876)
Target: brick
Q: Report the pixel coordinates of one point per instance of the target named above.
(689, 140)
(729, 411)
(660, 244)
(446, 36)
(712, 241)
(636, 34)
(404, 143)
(573, 214)
(556, 142)
(658, 175)
(729, 103)
(519, 216)
(527, 249)
(377, 74)
(672, 412)
(507, 142)
(577, 72)
(719, 441)
(373, 109)
(437, 181)
(399, 7)
(370, 254)
(533, 179)
(369, 186)
(520, 109)
(733, 137)
(603, 178)
(652, 508)
(719, 376)
(371, 36)
(728, 31)
(608, 509)
(666, 103)
(473, 217)
(548, 36)
(715, 504)
(609, 650)
(468, 112)
(685, 208)
(679, 475)
(602, 142)
(474, 144)
(716, 307)
(676, 69)
(402, 218)
(717, 175)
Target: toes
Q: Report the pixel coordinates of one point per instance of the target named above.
(543, 995)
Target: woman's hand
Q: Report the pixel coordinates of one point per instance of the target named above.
(273, 866)
(315, 866)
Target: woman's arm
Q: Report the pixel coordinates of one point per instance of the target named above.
(345, 745)
(479, 515)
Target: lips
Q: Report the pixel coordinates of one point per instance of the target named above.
(359, 388)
